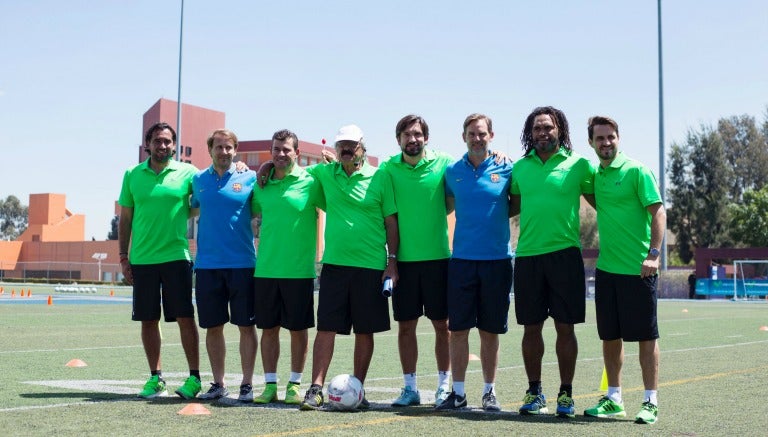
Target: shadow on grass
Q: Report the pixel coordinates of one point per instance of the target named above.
(479, 415)
(81, 396)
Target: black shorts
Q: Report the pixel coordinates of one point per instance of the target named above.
(626, 307)
(478, 294)
(350, 297)
(288, 303)
(171, 281)
(421, 290)
(217, 289)
(551, 284)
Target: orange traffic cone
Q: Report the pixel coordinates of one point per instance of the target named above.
(50, 300)
(76, 363)
(13, 292)
(194, 409)
(111, 292)
(29, 292)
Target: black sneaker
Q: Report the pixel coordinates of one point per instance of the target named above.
(490, 403)
(313, 400)
(453, 402)
(215, 392)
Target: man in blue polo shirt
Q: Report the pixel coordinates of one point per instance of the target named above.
(480, 270)
(225, 260)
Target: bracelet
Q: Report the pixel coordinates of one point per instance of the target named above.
(391, 256)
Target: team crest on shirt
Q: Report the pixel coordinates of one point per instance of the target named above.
(495, 177)
(236, 187)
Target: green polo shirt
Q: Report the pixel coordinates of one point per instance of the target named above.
(420, 196)
(160, 205)
(623, 192)
(288, 234)
(356, 207)
(549, 200)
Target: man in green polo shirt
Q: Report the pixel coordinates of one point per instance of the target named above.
(361, 227)
(547, 184)
(417, 178)
(154, 212)
(285, 268)
(631, 222)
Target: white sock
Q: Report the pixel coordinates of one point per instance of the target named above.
(614, 394)
(458, 388)
(270, 378)
(295, 377)
(652, 396)
(443, 376)
(410, 380)
(488, 387)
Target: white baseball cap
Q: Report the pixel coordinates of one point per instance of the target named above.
(349, 132)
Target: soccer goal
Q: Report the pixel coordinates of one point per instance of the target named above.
(750, 278)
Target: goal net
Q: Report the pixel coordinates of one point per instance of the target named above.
(750, 278)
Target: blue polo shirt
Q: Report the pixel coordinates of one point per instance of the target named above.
(482, 208)
(224, 234)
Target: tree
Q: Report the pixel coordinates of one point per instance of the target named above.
(747, 152)
(13, 218)
(112, 235)
(700, 176)
(749, 220)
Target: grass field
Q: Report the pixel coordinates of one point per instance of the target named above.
(714, 367)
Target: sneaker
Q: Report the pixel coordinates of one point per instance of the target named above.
(490, 403)
(648, 413)
(565, 405)
(216, 391)
(534, 404)
(292, 396)
(190, 389)
(153, 388)
(453, 402)
(440, 396)
(268, 395)
(313, 399)
(606, 408)
(246, 393)
(407, 398)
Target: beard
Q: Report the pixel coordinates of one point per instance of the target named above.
(413, 149)
(548, 147)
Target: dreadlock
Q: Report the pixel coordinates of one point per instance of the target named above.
(526, 138)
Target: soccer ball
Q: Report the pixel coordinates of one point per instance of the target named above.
(344, 393)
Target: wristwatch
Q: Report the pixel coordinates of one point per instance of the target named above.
(654, 252)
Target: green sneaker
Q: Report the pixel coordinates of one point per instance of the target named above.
(190, 389)
(153, 388)
(269, 394)
(292, 394)
(648, 413)
(606, 408)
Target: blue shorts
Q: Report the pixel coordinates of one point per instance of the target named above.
(478, 294)
(170, 283)
(625, 307)
(225, 295)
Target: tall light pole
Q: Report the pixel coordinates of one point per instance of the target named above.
(662, 183)
(178, 96)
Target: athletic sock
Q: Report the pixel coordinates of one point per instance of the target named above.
(195, 373)
(534, 387)
(614, 394)
(458, 388)
(270, 378)
(157, 372)
(489, 386)
(652, 397)
(295, 378)
(443, 376)
(410, 380)
(567, 388)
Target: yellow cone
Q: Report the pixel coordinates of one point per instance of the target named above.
(604, 381)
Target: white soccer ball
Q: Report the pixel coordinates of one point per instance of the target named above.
(345, 392)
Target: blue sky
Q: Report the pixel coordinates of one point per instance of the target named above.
(76, 76)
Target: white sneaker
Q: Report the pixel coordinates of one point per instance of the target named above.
(440, 396)
(246, 393)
